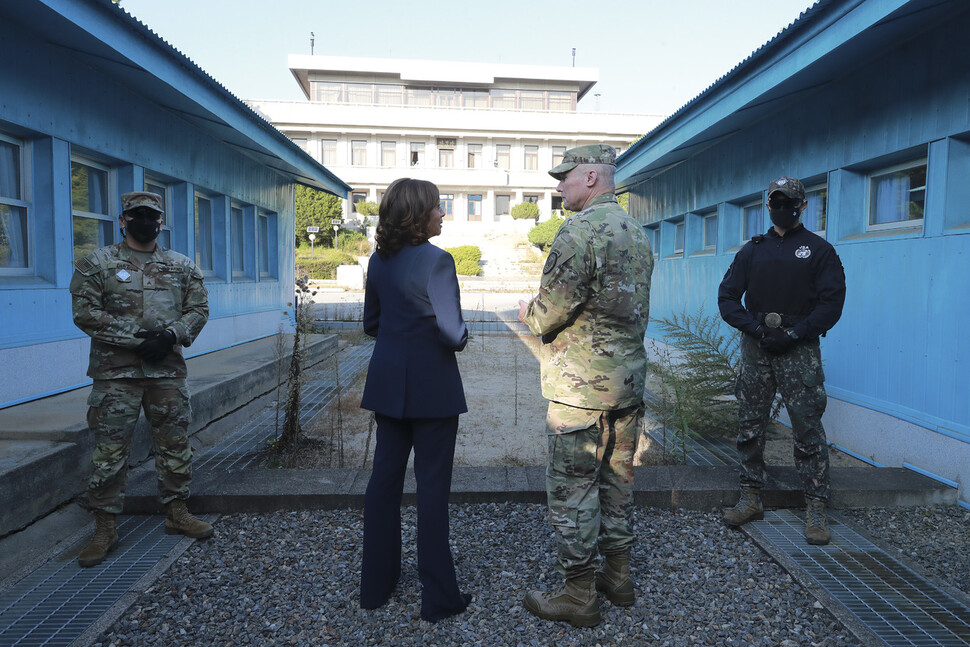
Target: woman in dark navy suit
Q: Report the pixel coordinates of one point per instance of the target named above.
(412, 307)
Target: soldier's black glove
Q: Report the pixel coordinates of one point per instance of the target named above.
(156, 346)
(776, 340)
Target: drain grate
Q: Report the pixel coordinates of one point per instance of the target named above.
(899, 606)
(56, 603)
(701, 450)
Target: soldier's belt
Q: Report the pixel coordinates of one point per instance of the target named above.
(776, 320)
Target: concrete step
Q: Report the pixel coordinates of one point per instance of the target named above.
(673, 486)
(45, 446)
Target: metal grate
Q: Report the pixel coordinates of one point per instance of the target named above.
(701, 450)
(236, 450)
(899, 606)
(56, 603)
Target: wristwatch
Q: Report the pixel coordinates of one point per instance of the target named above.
(791, 333)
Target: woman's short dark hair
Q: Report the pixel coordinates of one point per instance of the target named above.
(404, 215)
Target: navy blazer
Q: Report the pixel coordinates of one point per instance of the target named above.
(412, 307)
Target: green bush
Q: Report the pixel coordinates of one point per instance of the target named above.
(542, 234)
(367, 208)
(525, 211)
(353, 243)
(324, 263)
(466, 258)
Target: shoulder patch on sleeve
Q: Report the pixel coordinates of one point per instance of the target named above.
(85, 266)
(551, 262)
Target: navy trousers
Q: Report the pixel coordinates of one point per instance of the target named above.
(433, 440)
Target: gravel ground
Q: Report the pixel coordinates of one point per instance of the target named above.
(292, 577)
(936, 538)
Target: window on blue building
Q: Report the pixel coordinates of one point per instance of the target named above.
(710, 231)
(679, 231)
(14, 247)
(267, 245)
(814, 215)
(752, 221)
(93, 226)
(155, 186)
(897, 195)
(653, 232)
(237, 239)
(204, 238)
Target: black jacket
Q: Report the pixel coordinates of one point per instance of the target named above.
(799, 275)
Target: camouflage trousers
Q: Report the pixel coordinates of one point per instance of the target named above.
(589, 482)
(113, 409)
(798, 376)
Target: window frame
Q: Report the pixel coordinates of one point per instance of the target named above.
(815, 188)
(447, 203)
(354, 150)
(530, 153)
(151, 182)
(21, 202)
(110, 191)
(196, 197)
(680, 231)
(705, 219)
(888, 170)
(474, 153)
(474, 200)
(325, 149)
(503, 156)
(508, 200)
(388, 147)
(266, 244)
(759, 208)
(416, 154)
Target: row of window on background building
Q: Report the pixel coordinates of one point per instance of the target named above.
(445, 148)
(252, 231)
(401, 95)
(896, 198)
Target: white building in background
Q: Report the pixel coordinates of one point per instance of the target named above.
(485, 134)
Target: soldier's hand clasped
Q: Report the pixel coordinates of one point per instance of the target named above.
(776, 340)
(156, 346)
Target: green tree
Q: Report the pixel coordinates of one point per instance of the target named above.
(366, 208)
(467, 259)
(316, 208)
(542, 234)
(525, 211)
(624, 201)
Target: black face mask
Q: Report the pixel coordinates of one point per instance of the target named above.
(783, 213)
(144, 228)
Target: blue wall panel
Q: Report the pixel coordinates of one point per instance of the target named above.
(59, 105)
(901, 346)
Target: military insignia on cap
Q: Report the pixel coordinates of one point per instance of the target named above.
(803, 252)
(123, 275)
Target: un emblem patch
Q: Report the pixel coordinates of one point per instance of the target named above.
(803, 252)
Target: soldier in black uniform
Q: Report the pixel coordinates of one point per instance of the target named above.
(794, 288)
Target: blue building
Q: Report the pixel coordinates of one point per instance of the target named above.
(94, 104)
(867, 102)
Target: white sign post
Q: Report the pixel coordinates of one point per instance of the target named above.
(336, 222)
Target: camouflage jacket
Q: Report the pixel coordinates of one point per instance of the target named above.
(592, 309)
(113, 297)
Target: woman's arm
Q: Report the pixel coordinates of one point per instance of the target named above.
(372, 304)
(445, 299)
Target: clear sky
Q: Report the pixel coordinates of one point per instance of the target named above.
(653, 55)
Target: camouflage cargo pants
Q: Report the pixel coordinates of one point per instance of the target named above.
(589, 482)
(798, 376)
(113, 409)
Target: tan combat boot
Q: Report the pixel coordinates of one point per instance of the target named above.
(179, 521)
(816, 525)
(748, 508)
(614, 581)
(575, 602)
(103, 540)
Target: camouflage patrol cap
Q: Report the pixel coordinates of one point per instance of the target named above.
(136, 199)
(789, 186)
(590, 154)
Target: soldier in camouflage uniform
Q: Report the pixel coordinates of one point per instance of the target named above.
(591, 312)
(794, 289)
(140, 304)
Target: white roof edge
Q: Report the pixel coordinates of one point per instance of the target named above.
(451, 71)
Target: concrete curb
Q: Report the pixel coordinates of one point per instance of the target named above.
(669, 487)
